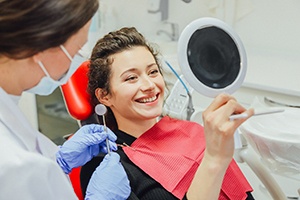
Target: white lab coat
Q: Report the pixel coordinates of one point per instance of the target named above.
(28, 169)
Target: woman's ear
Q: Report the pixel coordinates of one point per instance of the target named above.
(37, 57)
(102, 97)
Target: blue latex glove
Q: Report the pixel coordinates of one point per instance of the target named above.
(109, 181)
(86, 143)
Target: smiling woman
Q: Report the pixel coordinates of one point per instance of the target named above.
(161, 155)
(137, 88)
(119, 68)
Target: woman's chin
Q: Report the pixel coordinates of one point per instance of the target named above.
(152, 115)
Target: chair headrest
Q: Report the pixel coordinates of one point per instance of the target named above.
(77, 99)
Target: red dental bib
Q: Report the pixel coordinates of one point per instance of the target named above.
(171, 151)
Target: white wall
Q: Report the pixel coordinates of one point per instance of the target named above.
(270, 33)
(269, 30)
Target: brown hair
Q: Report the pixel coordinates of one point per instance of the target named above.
(31, 26)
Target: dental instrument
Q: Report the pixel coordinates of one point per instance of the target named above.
(261, 111)
(100, 109)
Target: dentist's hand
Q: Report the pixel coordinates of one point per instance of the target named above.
(109, 181)
(86, 143)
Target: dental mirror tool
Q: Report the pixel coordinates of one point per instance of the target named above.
(100, 109)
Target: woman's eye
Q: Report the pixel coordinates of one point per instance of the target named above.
(131, 78)
(155, 71)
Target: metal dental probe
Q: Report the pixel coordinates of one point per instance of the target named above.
(100, 109)
(262, 111)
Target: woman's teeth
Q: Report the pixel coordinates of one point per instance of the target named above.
(148, 100)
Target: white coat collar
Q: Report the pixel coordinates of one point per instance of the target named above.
(13, 118)
(15, 98)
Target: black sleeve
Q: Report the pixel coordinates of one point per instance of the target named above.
(132, 196)
(249, 197)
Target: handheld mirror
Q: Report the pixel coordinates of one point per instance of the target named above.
(212, 57)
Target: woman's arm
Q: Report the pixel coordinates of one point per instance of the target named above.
(219, 131)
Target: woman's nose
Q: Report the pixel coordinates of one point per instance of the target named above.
(147, 84)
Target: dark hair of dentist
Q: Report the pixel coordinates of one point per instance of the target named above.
(125, 75)
(39, 41)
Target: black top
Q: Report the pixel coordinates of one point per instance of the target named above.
(142, 185)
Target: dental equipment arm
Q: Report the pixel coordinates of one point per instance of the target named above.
(190, 107)
(262, 173)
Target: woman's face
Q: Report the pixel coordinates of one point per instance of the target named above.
(137, 86)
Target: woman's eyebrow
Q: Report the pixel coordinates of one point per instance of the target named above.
(150, 65)
(136, 69)
(129, 70)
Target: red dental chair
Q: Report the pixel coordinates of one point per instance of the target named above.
(77, 102)
(76, 97)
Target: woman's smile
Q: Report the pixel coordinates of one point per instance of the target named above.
(147, 99)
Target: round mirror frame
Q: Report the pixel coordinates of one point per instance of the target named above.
(186, 70)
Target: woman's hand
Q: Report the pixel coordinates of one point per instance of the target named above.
(219, 129)
(219, 135)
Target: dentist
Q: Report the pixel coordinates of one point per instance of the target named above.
(39, 44)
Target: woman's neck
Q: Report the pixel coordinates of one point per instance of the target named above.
(135, 128)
